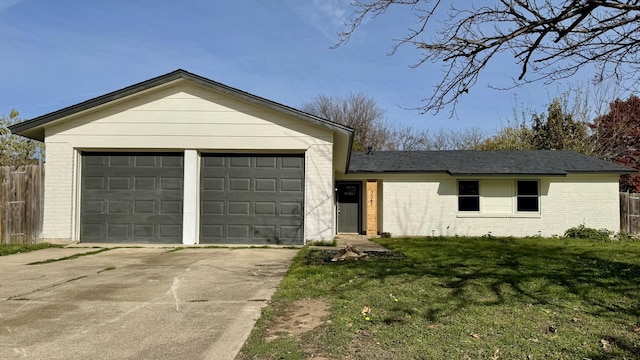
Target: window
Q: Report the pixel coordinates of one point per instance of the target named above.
(528, 195)
(468, 196)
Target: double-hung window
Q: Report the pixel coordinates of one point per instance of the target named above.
(468, 195)
(528, 196)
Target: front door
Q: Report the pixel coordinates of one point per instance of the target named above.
(348, 197)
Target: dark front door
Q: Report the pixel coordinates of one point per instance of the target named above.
(348, 207)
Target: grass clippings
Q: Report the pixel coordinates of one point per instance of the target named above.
(464, 298)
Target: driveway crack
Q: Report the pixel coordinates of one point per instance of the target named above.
(23, 295)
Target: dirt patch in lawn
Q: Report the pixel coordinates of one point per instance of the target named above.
(324, 257)
(298, 318)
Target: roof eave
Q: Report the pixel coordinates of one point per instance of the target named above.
(503, 174)
(36, 124)
(396, 172)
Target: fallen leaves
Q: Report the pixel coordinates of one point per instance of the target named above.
(365, 312)
(606, 345)
(495, 354)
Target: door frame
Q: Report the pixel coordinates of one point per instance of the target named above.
(359, 185)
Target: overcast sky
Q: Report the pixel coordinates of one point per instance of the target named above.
(58, 53)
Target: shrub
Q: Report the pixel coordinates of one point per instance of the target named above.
(583, 232)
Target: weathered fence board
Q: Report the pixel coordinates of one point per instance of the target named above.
(20, 204)
(630, 213)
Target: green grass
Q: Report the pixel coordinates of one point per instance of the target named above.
(9, 249)
(467, 298)
(70, 257)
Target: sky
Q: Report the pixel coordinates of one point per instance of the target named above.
(54, 54)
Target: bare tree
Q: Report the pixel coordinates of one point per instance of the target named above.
(358, 112)
(372, 130)
(549, 39)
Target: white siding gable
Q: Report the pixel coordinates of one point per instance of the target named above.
(187, 116)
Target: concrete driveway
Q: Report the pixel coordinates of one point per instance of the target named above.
(135, 303)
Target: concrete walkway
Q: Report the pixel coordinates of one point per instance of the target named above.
(359, 241)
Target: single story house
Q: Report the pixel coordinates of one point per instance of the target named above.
(183, 159)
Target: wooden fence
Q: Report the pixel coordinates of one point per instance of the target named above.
(630, 213)
(21, 204)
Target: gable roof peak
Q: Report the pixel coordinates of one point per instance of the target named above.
(34, 128)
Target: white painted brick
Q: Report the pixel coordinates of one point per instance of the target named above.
(58, 196)
(319, 191)
(415, 208)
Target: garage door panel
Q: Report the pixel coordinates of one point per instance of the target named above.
(146, 161)
(144, 207)
(294, 185)
(246, 203)
(240, 184)
(171, 207)
(290, 233)
(170, 231)
(290, 209)
(264, 184)
(131, 197)
(264, 232)
(145, 183)
(266, 162)
(171, 183)
(240, 162)
(212, 208)
(94, 183)
(239, 208)
(215, 232)
(144, 231)
(120, 207)
(293, 162)
(119, 231)
(175, 162)
(265, 208)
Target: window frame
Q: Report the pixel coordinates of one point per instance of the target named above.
(522, 208)
(462, 197)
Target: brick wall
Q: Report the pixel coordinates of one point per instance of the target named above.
(58, 196)
(429, 207)
(319, 193)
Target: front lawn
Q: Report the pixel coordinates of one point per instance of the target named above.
(458, 298)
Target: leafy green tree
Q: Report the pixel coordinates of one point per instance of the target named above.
(17, 150)
(557, 130)
(519, 137)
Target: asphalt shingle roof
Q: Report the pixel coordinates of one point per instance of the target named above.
(469, 162)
